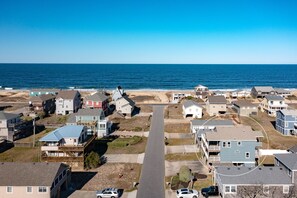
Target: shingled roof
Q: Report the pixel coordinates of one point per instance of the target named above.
(288, 159)
(7, 116)
(189, 103)
(29, 174)
(97, 97)
(217, 100)
(43, 97)
(67, 94)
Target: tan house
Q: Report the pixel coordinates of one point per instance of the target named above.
(39, 179)
(245, 108)
(216, 105)
(125, 105)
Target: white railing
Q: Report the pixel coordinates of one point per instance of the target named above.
(213, 148)
(214, 159)
(204, 140)
(49, 148)
(204, 151)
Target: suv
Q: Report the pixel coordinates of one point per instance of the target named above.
(209, 191)
(186, 193)
(108, 192)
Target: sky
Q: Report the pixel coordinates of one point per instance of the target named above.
(153, 31)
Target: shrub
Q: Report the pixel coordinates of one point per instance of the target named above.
(185, 174)
(174, 182)
(92, 160)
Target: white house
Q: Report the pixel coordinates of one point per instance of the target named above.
(192, 109)
(68, 101)
(273, 103)
(125, 105)
(176, 97)
(240, 94)
(201, 91)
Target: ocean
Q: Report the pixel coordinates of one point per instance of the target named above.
(146, 76)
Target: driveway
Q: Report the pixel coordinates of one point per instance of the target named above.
(125, 158)
(151, 183)
(178, 135)
(172, 168)
(181, 149)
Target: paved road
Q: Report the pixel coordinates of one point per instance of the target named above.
(151, 183)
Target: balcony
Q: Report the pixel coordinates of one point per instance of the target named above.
(214, 148)
(49, 148)
(214, 158)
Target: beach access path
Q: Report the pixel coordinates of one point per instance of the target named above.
(153, 170)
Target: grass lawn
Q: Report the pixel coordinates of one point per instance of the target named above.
(177, 128)
(276, 140)
(179, 141)
(137, 123)
(182, 157)
(53, 119)
(203, 183)
(20, 154)
(110, 145)
(173, 111)
(145, 108)
(37, 136)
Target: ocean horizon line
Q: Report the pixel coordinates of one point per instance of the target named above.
(150, 63)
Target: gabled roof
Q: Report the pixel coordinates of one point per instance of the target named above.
(288, 159)
(189, 103)
(89, 112)
(293, 149)
(217, 100)
(238, 133)
(29, 174)
(244, 103)
(73, 131)
(264, 88)
(43, 97)
(7, 116)
(97, 97)
(212, 122)
(252, 175)
(291, 112)
(281, 91)
(274, 97)
(130, 102)
(67, 94)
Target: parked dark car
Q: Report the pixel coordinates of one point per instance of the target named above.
(210, 191)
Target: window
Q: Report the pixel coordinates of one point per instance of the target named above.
(266, 189)
(229, 144)
(42, 189)
(74, 140)
(56, 181)
(247, 155)
(233, 189)
(238, 143)
(9, 189)
(64, 172)
(286, 189)
(60, 177)
(230, 189)
(224, 144)
(29, 189)
(227, 189)
(289, 172)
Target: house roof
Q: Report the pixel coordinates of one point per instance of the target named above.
(293, 149)
(189, 103)
(73, 131)
(252, 175)
(274, 97)
(72, 118)
(244, 103)
(281, 91)
(291, 112)
(29, 174)
(7, 116)
(201, 86)
(264, 88)
(212, 122)
(67, 94)
(217, 100)
(89, 112)
(130, 102)
(43, 97)
(288, 159)
(98, 96)
(233, 133)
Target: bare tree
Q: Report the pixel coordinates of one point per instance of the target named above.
(255, 191)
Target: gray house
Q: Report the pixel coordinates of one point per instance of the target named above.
(125, 105)
(231, 145)
(68, 102)
(286, 122)
(118, 93)
(261, 92)
(245, 108)
(216, 105)
(45, 103)
(282, 92)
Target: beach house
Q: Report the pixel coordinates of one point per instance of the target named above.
(273, 103)
(93, 119)
(176, 97)
(231, 145)
(245, 108)
(68, 102)
(12, 127)
(97, 100)
(216, 105)
(118, 93)
(201, 91)
(125, 106)
(286, 122)
(262, 91)
(38, 92)
(192, 109)
(239, 94)
(68, 144)
(33, 179)
(43, 103)
(282, 92)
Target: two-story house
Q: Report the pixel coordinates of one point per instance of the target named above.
(33, 180)
(68, 144)
(282, 92)
(231, 145)
(38, 92)
(118, 93)
(192, 109)
(93, 119)
(125, 105)
(273, 103)
(68, 102)
(286, 122)
(12, 127)
(262, 91)
(216, 105)
(45, 103)
(201, 91)
(245, 108)
(176, 97)
(240, 93)
(97, 101)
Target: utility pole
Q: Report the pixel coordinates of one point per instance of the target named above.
(34, 131)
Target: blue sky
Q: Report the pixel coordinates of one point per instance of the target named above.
(155, 31)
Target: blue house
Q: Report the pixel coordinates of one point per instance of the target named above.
(231, 145)
(286, 122)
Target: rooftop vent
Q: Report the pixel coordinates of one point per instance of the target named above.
(228, 168)
(260, 168)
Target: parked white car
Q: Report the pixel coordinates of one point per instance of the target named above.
(187, 193)
(108, 193)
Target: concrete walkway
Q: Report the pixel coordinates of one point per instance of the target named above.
(151, 183)
(178, 135)
(125, 158)
(172, 168)
(181, 149)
